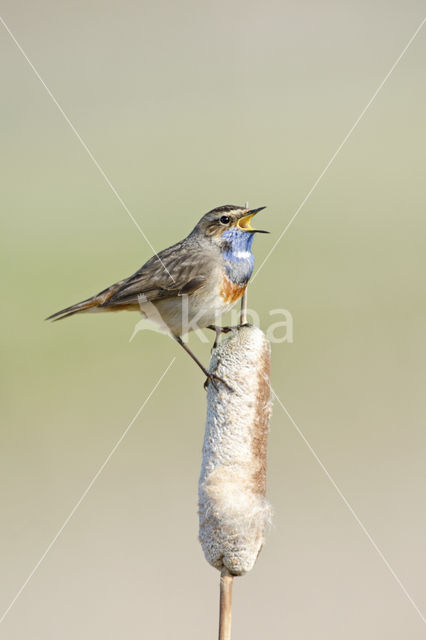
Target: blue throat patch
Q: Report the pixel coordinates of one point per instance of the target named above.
(239, 260)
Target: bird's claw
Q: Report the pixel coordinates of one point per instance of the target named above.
(219, 330)
(214, 379)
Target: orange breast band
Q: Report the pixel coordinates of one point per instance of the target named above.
(231, 292)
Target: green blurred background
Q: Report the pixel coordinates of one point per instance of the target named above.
(189, 105)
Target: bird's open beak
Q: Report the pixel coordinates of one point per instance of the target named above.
(244, 222)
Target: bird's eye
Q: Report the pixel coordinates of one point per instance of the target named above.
(225, 220)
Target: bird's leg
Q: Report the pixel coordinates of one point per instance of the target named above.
(211, 377)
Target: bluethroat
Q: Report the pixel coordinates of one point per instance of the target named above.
(188, 285)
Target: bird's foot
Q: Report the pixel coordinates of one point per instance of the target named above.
(214, 379)
(219, 330)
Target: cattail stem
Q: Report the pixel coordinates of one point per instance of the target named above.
(225, 607)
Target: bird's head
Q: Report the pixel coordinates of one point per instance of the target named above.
(227, 224)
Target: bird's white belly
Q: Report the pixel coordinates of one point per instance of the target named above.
(182, 314)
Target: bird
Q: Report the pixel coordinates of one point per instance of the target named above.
(191, 283)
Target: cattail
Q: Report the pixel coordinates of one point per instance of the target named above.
(233, 509)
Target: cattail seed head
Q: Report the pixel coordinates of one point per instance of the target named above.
(233, 510)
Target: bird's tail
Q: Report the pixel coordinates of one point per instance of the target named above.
(86, 305)
(95, 303)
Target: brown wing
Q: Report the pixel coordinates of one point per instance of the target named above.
(178, 270)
